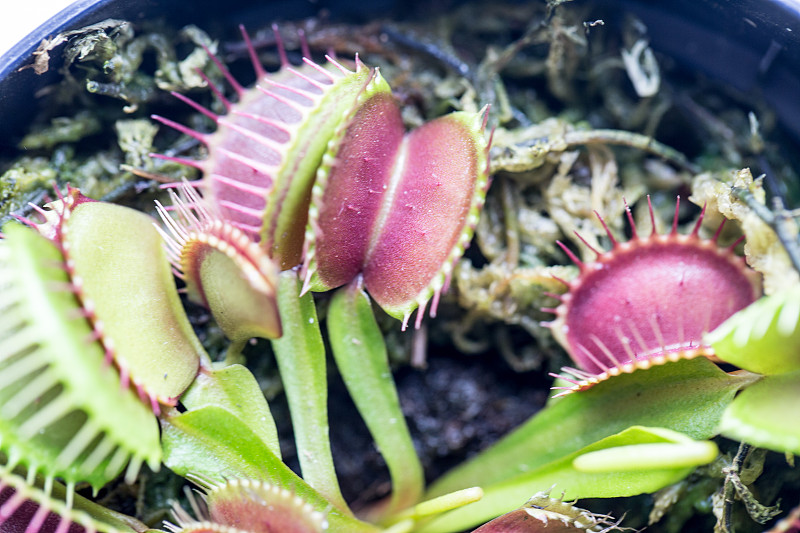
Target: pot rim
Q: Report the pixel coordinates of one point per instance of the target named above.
(750, 45)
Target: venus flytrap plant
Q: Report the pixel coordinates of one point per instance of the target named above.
(224, 270)
(400, 190)
(416, 199)
(102, 244)
(646, 302)
(248, 506)
(226, 431)
(69, 351)
(264, 155)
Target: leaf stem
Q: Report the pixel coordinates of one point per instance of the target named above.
(300, 354)
(361, 357)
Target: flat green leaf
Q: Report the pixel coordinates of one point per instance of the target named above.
(211, 443)
(619, 465)
(300, 354)
(236, 390)
(764, 337)
(361, 357)
(688, 396)
(767, 414)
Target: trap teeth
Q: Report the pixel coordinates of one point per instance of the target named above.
(650, 298)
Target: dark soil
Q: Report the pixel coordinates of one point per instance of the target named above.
(456, 407)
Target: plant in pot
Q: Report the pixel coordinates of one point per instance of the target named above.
(294, 201)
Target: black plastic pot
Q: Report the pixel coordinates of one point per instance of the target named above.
(18, 85)
(751, 45)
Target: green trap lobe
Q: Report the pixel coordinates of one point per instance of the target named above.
(78, 428)
(126, 275)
